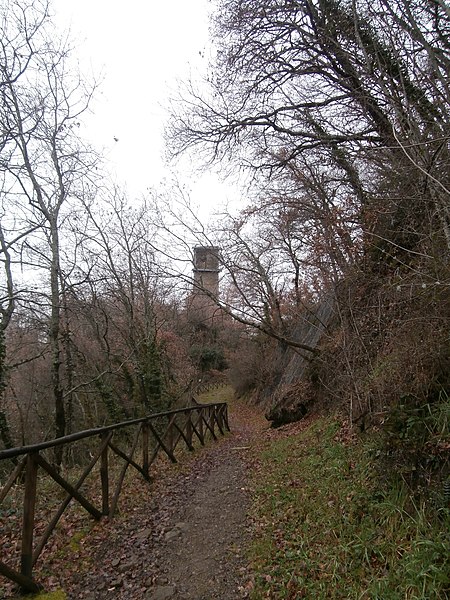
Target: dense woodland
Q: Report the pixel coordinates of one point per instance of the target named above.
(337, 113)
(93, 322)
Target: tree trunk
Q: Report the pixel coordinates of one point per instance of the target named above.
(5, 430)
(54, 338)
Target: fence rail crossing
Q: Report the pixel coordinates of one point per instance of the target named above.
(160, 432)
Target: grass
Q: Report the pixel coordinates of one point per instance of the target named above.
(57, 595)
(221, 394)
(326, 528)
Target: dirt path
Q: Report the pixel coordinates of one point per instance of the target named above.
(189, 543)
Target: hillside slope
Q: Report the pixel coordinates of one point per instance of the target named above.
(330, 522)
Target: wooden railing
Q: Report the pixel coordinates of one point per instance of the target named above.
(208, 386)
(161, 432)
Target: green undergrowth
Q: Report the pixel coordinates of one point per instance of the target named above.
(224, 393)
(57, 595)
(325, 527)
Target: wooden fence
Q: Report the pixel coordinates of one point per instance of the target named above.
(161, 432)
(209, 386)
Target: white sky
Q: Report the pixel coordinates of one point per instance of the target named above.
(140, 48)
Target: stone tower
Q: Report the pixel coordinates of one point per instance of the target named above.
(206, 282)
(206, 269)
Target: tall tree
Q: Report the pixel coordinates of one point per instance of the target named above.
(126, 281)
(45, 159)
(20, 27)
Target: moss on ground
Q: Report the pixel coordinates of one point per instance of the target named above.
(57, 595)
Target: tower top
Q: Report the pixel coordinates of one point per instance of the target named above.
(206, 259)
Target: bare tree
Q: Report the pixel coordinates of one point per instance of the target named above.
(128, 291)
(364, 83)
(43, 99)
(20, 26)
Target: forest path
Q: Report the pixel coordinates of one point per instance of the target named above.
(189, 542)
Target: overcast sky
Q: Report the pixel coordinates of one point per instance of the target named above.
(139, 49)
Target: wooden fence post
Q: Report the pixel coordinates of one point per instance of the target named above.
(212, 420)
(189, 430)
(202, 425)
(225, 416)
(29, 505)
(171, 435)
(104, 476)
(145, 464)
(217, 411)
